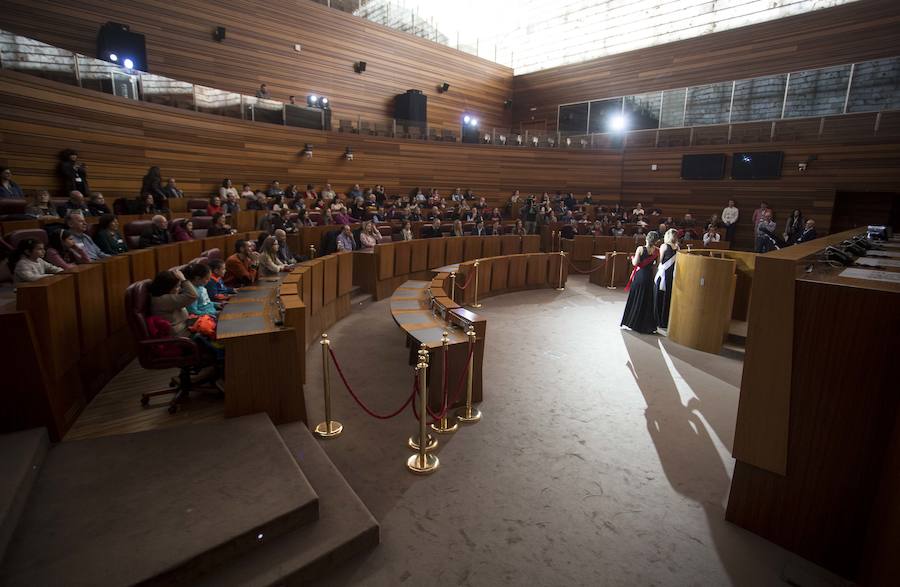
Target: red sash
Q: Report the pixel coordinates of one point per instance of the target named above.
(648, 261)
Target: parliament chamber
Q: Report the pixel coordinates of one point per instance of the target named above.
(333, 293)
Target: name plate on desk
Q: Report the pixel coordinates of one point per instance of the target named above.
(871, 274)
(882, 262)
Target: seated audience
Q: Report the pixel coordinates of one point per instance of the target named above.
(199, 275)
(406, 233)
(519, 228)
(231, 204)
(219, 227)
(253, 200)
(303, 219)
(711, 235)
(618, 229)
(638, 210)
(479, 229)
(183, 231)
(328, 193)
(63, 252)
(170, 295)
(285, 255)
(263, 92)
(216, 287)
(171, 190)
(27, 263)
(75, 203)
(147, 205)
(109, 239)
(228, 189)
(765, 233)
(152, 184)
(369, 236)
(639, 236)
(496, 229)
(214, 206)
(457, 229)
(40, 206)
(809, 232)
(9, 188)
(568, 231)
(156, 234)
(275, 190)
(354, 192)
(241, 267)
(78, 227)
(269, 263)
(434, 230)
(345, 240)
(97, 204)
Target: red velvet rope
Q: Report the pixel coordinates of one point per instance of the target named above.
(468, 279)
(446, 404)
(358, 401)
(577, 270)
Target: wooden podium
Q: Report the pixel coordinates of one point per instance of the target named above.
(702, 299)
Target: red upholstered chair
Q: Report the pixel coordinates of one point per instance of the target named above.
(196, 204)
(12, 206)
(161, 353)
(17, 236)
(133, 231)
(212, 254)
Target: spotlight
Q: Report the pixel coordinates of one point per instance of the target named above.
(618, 123)
(467, 119)
(443, 87)
(474, 122)
(129, 64)
(307, 150)
(113, 57)
(324, 102)
(312, 100)
(348, 154)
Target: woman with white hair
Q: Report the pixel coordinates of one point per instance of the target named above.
(640, 314)
(665, 277)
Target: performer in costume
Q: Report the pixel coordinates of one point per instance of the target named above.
(665, 277)
(639, 311)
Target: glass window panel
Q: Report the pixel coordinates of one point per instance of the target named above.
(673, 108)
(573, 118)
(761, 98)
(602, 113)
(817, 92)
(99, 75)
(875, 86)
(642, 111)
(270, 111)
(168, 92)
(708, 104)
(36, 58)
(219, 102)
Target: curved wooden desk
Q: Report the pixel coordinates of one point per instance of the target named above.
(508, 273)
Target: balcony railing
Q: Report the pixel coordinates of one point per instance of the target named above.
(33, 57)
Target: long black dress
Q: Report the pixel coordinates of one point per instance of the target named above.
(639, 310)
(663, 298)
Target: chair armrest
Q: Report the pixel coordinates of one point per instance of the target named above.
(149, 358)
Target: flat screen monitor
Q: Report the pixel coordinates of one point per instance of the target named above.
(703, 166)
(758, 165)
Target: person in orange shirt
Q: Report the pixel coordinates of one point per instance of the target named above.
(241, 267)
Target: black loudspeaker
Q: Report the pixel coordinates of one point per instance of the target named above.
(444, 87)
(360, 66)
(412, 106)
(116, 39)
(219, 34)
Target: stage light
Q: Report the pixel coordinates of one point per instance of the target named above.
(618, 123)
(467, 119)
(312, 100)
(474, 122)
(348, 154)
(307, 150)
(324, 101)
(128, 63)
(113, 57)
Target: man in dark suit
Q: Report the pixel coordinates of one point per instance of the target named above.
(479, 229)
(156, 234)
(809, 232)
(434, 230)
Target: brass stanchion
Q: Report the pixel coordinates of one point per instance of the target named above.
(611, 257)
(470, 414)
(312, 251)
(423, 463)
(431, 442)
(562, 259)
(475, 304)
(453, 286)
(552, 240)
(329, 428)
(444, 426)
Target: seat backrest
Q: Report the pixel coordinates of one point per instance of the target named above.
(137, 308)
(12, 206)
(204, 222)
(133, 231)
(196, 204)
(17, 236)
(212, 254)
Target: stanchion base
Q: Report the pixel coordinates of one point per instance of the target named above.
(430, 465)
(431, 442)
(611, 287)
(476, 306)
(466, 416)
(323, 431)
(444, 427)
(559, 288)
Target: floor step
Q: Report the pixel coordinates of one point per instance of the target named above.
(21, 456)
(358, 297)
(155, 507)
(345, 528)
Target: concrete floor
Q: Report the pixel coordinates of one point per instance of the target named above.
(603, 457)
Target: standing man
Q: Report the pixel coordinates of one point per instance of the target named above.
(730, 217)
(765, 233)
(760, 212)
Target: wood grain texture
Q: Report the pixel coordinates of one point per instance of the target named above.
(259, 47)
(858, 31)
(702, 298)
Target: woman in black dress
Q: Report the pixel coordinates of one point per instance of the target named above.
(665, 277)
(639, 311)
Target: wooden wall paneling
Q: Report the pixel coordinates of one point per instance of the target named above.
(25, 393)
(90, 297)
(437, 252)
(116, 279)
(141, 264)
(317, 280)
(180, 46)
(531, 243)
(419, 255)
(554, 277)
(216, 242)
(454, 252)
(499, 273)
(230, 242)
(582, 248)
(472, 247)
(602, 244)
(189, 250)
(490, 246)
(345, 272)
(819, 38)
(384, 259)
(510, 244)
(518, 267)
(402, 250)
(167, 256)
(702, 299)
(536, 273)
(330, 279)
(295, 319)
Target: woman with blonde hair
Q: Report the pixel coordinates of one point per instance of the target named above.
(269, 263)
(457, 228)
(369, 237)
(665, 277)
